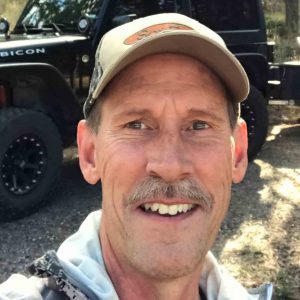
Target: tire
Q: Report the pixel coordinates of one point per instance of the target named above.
(254, 112)
(30, 161)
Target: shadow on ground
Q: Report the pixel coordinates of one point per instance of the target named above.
(269, 195)
(74, 199)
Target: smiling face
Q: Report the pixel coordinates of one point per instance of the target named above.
(166, 156)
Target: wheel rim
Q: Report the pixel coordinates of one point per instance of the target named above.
(24, 164)
(249, 117)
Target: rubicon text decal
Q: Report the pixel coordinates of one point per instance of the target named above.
(21, 52)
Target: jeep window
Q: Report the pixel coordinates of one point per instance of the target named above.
(226, 15)
(141, 8)
(56, 14)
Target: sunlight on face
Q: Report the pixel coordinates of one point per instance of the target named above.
(165, 138)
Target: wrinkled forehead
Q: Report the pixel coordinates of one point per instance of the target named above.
(163, 68)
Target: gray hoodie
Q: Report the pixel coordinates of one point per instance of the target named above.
(77, 271)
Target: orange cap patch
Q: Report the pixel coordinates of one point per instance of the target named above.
(152, 30)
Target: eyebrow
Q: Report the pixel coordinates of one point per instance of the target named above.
(196, 112)
(190, 113)
(134, 112)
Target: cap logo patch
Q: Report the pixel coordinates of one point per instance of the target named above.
(154, 29)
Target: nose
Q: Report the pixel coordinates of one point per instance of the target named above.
(168, 159)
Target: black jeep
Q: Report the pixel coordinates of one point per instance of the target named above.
(45, 67)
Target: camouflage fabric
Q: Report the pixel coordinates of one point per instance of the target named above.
(48, 266)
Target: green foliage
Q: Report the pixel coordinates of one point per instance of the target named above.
(275, 28)
(282, 28)
(47, 11)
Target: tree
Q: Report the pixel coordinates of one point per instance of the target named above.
(292, 15)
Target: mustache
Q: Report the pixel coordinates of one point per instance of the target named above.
(155, 187)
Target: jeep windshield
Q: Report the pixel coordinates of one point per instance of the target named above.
(56, 15)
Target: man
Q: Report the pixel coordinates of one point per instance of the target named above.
(163, 134)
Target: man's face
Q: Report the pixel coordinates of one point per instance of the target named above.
(164, 131)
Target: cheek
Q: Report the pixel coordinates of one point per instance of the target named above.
(213, 164)
(216, 178)
(116, 156)
(121, 166)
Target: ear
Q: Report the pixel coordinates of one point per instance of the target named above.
(86, 141)
(240, 158)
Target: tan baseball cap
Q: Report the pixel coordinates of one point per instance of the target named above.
(164, 33)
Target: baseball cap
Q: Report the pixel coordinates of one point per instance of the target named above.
(164, 33)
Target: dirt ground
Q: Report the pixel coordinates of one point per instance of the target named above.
(260, 241)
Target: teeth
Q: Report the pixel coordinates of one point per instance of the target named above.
(184, 208)
(172, 210)
(147, 206)
(164, 209)
(154, 207)
(180, 208)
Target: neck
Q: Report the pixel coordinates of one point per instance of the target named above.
(132, 284)
(143, 288)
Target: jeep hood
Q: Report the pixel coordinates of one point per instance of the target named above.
(20, 41)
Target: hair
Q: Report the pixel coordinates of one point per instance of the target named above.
(233, 108)
(93, 118)
(234, 111)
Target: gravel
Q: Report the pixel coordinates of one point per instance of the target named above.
(23, 240)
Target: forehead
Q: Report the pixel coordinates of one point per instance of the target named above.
(164, 73)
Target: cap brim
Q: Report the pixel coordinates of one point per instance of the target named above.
(215, 56)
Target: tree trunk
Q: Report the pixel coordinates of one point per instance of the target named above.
(291, 15)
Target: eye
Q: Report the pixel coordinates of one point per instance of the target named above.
(136, 125)
(198, 125)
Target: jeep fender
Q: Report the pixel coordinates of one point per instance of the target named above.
(256, 67)
(43, 88)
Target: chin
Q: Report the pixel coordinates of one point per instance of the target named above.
(168, 263)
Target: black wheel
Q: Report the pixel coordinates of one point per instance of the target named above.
(254, 112)
(30, 161)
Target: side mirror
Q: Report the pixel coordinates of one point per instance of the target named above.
(4, 26)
